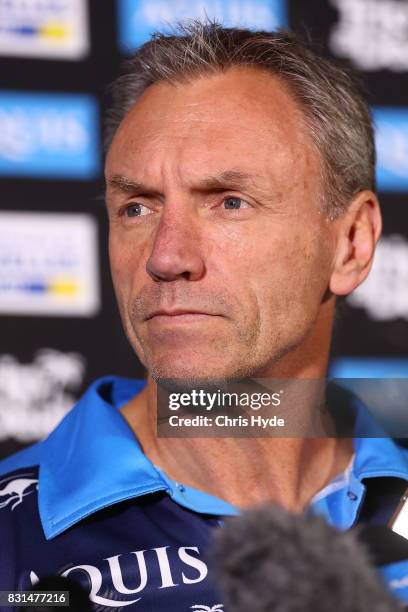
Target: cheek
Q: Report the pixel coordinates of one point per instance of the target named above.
(281, 275)
(122, 263)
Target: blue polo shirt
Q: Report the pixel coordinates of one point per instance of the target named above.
(86, 503)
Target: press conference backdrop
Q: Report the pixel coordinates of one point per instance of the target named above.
(59, 326)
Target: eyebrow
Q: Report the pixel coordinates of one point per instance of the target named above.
(229, 179)
(127, 185)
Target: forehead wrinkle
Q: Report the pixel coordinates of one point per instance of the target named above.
(239, 180)
(223, 181)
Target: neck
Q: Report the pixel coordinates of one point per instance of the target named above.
(242, 471)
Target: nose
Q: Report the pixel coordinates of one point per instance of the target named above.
(176, 251)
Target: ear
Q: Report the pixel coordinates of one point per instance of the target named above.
(358, 230)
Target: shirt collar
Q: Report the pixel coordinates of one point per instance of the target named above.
(93, 460)
(375, 455)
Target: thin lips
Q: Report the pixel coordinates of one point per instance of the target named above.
(174, 313)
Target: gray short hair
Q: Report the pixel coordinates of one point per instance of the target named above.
(336, 114)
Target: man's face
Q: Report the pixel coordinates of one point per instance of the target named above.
(220, 255)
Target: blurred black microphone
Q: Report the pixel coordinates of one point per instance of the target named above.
(78, 597)
(383, 545)
(269, 560)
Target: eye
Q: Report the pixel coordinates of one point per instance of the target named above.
(235, 203)
(136, 210)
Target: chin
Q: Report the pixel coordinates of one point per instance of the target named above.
(186, 368)
(184, 373)
(188, 377)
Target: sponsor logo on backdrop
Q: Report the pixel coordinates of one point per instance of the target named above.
(369, 367)
(44, 28)
(380, 383)
(384, 294)
(35, 396)
(373, 34)
(49, 135)
(392, 148)
(137, 19)
(48, 264)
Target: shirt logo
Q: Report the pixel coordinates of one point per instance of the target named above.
(396, 576)
(13, 492)
(204, 608)
(136, 573)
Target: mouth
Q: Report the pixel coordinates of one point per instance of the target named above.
(174, 313)
(178, 316)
